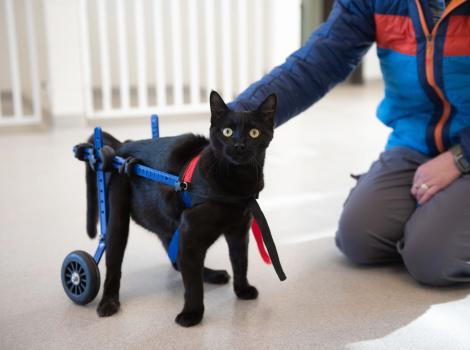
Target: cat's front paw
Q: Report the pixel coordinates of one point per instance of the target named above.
(189, 318)
(247, 292)
(108, 307)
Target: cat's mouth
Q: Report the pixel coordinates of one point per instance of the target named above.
(240, 158)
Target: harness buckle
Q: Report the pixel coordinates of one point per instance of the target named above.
(181, 186)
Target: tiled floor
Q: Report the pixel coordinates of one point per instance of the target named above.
(326, 303)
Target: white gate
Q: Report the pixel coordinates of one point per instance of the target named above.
(165, 56)
(20, 100)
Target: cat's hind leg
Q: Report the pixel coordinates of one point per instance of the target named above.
(215, 276)
(211, 276)
(116, 241)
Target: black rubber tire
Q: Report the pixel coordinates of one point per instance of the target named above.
(106, 154)
(86, 284)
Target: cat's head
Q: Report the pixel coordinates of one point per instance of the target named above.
(241, 137)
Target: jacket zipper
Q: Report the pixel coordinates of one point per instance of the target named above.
(430, 47)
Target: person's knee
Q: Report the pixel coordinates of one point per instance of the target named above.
(353, 240)
(427, 261)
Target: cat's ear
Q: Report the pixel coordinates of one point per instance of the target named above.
(218, 106)
(267, 109)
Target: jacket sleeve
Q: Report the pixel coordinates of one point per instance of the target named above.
(465, 142)
(327, 58)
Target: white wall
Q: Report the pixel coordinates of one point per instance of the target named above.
(23, 53)
(64, 57)
(59, 45)
(278, 24)
(285, 30)
(372, 65)
(281, 26)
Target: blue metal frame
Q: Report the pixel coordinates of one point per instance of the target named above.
(155, 129)
(102, 202)
(149, 173)
(92, 155)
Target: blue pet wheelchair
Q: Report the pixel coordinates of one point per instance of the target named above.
(80, 274)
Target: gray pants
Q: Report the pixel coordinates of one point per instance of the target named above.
(381, 224)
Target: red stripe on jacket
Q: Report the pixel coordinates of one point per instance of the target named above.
(457, 41)
(395, 33)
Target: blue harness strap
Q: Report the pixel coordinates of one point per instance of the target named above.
(173, 247)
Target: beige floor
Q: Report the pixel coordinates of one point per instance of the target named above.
(325, 303)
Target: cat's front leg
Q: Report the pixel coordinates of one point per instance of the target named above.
(237, 240)
(191, 263)
(198, 232)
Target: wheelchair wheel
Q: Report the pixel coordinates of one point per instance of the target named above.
(80, 277)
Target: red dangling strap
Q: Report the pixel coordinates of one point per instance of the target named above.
(259, 241)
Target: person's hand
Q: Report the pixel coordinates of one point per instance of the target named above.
(433, 176)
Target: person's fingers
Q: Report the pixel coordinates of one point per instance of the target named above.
(416, 187)
(423, 188)
(419, 194)
(428, 194)
(417, 176)
(418, 181)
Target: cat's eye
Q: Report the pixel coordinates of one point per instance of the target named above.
(254, 133)
(227, 132)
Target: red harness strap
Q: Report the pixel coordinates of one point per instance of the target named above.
(189, 171)
(187, 177)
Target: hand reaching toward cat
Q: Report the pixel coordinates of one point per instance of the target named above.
(433, 176)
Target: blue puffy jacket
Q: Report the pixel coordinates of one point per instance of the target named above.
(426, 69)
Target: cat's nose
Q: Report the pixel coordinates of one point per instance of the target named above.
(240, 147)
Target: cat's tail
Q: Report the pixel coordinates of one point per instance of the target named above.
(91, 190)
(91, 202)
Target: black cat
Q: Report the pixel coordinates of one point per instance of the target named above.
(228, 174)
